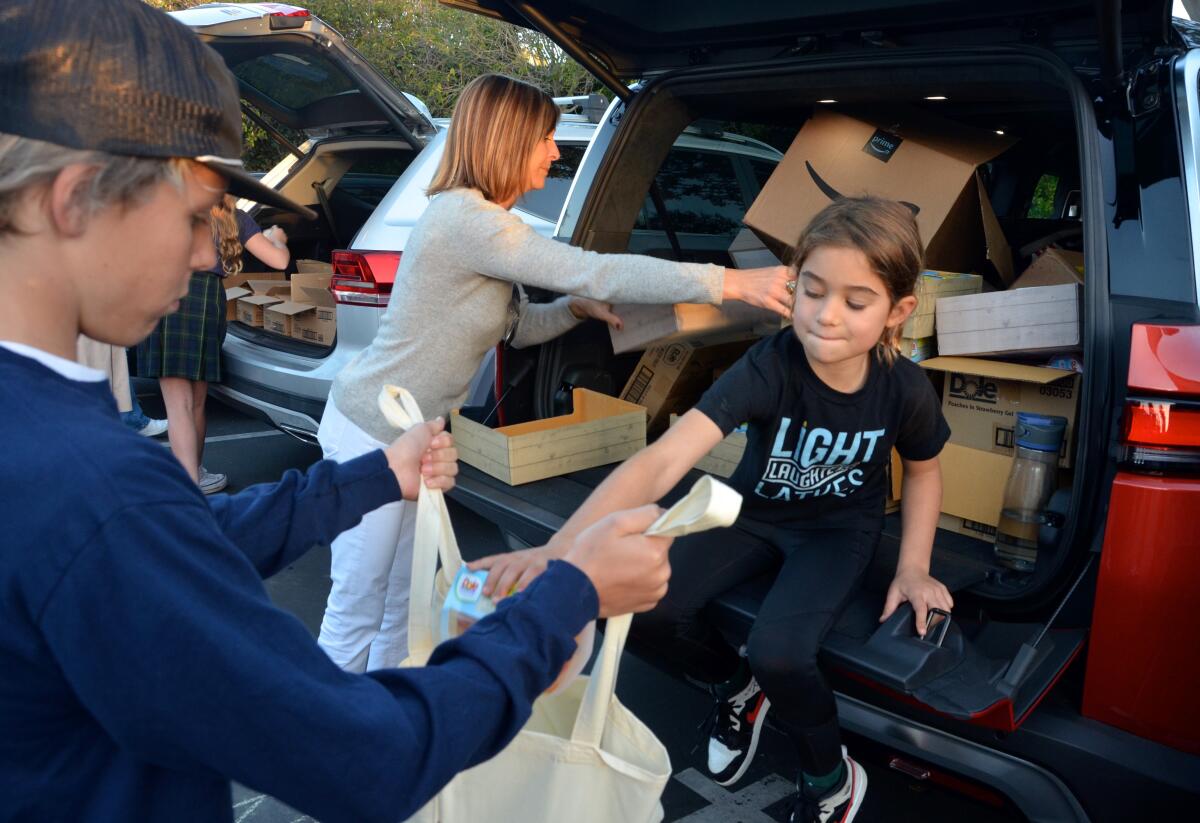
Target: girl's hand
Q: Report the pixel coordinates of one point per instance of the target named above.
(513, 571)
(424, 452)
(766, 288)
(919, 589)
(584, 308)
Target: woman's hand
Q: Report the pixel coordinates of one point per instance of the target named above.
(766, 288)
(922, 591)
(513, 571)
(584, 308)
(423, 452)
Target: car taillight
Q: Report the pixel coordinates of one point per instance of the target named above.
(1162, 433)
(363, 278)
(283, 16)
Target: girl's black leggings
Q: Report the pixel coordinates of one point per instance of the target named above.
(817, 570)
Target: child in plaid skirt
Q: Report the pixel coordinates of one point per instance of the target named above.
(184, 352)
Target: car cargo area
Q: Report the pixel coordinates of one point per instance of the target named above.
(1015, 209)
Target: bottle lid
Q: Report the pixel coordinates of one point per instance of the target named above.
(1040, 432)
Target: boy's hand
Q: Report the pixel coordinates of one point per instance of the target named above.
(629, 570)
(919, 589)
(425, 451)
(513, 571)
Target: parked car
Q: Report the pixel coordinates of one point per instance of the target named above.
(371, 152)
(1070, 691)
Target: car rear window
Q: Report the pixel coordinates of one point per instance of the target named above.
(292, 80)
(701, 193)
(547, 202)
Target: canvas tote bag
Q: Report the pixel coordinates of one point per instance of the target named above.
(582, 756)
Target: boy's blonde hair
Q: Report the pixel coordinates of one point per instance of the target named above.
(494, 128)
(885, 231)
(26, 164)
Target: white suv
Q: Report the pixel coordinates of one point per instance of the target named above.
(371, 153)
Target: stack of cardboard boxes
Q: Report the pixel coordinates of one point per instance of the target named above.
(302, 308)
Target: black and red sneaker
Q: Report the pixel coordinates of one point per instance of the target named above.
(839, 805)
(736, 723)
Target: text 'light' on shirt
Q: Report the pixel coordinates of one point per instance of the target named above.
(819, 463)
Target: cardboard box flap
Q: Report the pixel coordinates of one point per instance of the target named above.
(313, 266)
(245, 277)
(997, 369)
(999, 254)
(969, 145)
(289, 308)
(318, 296)
(260, 300)
(236, 292)
(1052, 267)
(270, 286)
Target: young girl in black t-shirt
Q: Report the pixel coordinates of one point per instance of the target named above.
(824, 402)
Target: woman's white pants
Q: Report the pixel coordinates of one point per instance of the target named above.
(366, 618)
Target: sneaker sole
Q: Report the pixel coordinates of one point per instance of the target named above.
(758, 724)
(213, 489)
(858, 790)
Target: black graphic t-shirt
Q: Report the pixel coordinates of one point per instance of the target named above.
(817, 457)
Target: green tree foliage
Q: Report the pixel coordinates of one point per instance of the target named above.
(430, 51)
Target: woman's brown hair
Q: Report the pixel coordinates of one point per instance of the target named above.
(885, 231)
(494, 128)
(223, 219)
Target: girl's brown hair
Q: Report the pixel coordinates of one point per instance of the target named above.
(886, 233)
(494, 128)
(223, 219)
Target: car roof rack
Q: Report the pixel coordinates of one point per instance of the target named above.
(591, 106)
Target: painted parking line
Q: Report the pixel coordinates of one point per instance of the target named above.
(744, 806)
(223, 438)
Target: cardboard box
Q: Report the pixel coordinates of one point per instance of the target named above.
(231, 298)
(1052, 267)
(302, 282)
(1029, 320)
(313, 267)
(600, 430)
(981, 398)
(973, 485)
(967, 528)
(672, 378)
(748, 252)
(280, 317)
(319, 325)
(918, 350)
(646, 326)
(930, 286)
(903, 154)
(250, 309)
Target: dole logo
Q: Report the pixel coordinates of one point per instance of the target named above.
(973, 388)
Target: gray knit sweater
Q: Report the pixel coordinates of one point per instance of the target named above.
(453, 300)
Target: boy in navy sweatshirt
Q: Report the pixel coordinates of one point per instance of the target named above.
(142, 665)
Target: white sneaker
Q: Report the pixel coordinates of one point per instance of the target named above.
(153, 428)
(210, 482)
(839, 805)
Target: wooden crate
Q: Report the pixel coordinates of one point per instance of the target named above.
(601, 430)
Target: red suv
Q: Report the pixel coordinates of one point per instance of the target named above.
(1071, 690)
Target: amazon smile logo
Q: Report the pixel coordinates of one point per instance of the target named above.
(833, 194)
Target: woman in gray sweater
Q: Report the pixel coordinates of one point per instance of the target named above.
(452, 301)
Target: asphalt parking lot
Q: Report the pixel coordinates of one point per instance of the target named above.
(250, 452)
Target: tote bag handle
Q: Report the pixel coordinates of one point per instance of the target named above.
(434, 536)
(708, 505)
